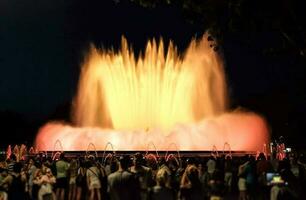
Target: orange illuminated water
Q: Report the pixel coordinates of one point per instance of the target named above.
(160, 98)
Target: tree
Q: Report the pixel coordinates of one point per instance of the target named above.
(283, 19)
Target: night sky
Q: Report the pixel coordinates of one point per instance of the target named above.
(42, 44)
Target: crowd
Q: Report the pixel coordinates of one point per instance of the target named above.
(141, 177)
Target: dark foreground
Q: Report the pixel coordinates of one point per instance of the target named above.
(152, 175)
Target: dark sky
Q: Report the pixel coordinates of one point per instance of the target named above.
(42, 44)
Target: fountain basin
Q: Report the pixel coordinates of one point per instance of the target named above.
(243, 131)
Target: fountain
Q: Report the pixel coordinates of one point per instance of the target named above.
(160, 98)
(227, 152)
(88, 152)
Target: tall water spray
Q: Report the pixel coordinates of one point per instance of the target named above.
(160, 97)
(159, 89)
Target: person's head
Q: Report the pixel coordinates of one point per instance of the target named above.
(17, 167)
(92, 161)
(228, 158)
(138, 159)
(82, 163)
(201, 167)
(73, 163)
(3, 172)
(284, 165)
(13, 157)
(152, 163)
(124, 162)
(48, 172)
(302, 159)
(162, 177)
(244, 159)
(192, 174)
(173, 164)
(49, 161)
(261, 156)
(161, 161)
(212, 157)
(293, 158)
(114, 164)
(252, 159)
(31, 162)
(88, 164)
(62, 156)
(37, 164)
(190, 161)
(45, 165)
(38, 173)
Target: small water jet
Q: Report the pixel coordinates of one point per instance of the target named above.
(160, 97)
(88, 154)
(155, 149)
(32, 151)
(56, 155)
(214, 152)
(109, 155)
(227, 151)
(177, 150)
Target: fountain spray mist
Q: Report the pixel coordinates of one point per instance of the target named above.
(159, 89)
(160, 98)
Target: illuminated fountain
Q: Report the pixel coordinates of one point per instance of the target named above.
(160, 98)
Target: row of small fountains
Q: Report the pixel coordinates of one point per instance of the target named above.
(21, 151)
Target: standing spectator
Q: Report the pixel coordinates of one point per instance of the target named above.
(123, 184)
(4, 183)
(46, 182)
(228, 173)
(11, 162)
(299, 173)
(143, 174)
(190, 188)
(93, 181)
(17, 188)
(251, 177)
(103, 180)
(61, 177)
(161, 191)
(211, 165)
(81, 181)
(242, 186)
(163, 165)
(73, 172)
(31, 172)
(289, 190)
(262, 167)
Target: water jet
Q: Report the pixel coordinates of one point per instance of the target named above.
(161, 98)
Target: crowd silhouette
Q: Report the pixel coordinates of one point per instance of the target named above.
(139, 177)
